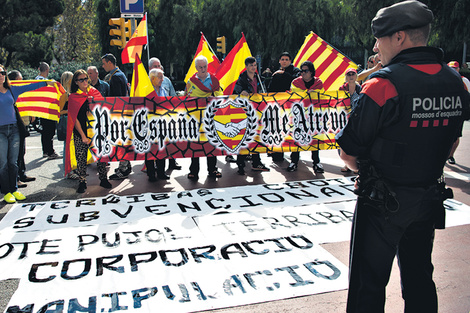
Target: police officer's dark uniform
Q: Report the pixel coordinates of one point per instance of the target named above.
(407, 117)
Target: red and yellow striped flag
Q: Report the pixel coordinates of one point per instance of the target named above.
(329, 63)
(234, 64)
(141, 85)
(42, 102)
(135, 44)
(203, 49)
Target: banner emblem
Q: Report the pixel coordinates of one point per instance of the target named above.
(230, 123)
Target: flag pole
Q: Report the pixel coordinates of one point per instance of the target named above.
(208, 44)
(261, 82)
(148, 43)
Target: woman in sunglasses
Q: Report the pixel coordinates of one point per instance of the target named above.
(351, 86)
(307, 82)
(353, 89)
(78, 107)
(10, 134)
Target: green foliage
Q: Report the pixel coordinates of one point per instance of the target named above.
(23, 30)
(173, 33)
(75, 35)
(81, 30)
(450, 27)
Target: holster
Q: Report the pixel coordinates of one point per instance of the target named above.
(376, 191)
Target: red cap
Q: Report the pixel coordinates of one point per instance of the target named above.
(453, 64)
(350, 70)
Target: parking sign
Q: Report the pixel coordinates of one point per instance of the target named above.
(132, 6)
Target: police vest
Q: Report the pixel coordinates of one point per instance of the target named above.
(422, 124)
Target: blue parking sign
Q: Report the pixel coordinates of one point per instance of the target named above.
(132, 6)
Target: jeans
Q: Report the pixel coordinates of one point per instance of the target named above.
(21, 163)
(9, 150)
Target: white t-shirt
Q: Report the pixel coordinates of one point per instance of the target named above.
(466, 82)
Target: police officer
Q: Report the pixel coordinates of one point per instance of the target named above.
(399, 136)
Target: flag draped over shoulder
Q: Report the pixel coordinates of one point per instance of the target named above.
(135, 44)
(42, 102)
(234, 64)
(141, 85)
(76, 100)
(203, 49)
(329, 63)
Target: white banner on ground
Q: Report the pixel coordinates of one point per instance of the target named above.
(180, 252)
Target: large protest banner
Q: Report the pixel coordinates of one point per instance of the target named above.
(179, 127)
(180, 251)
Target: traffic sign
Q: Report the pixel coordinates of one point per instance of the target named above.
(132, 6)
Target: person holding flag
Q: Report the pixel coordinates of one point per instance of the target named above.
(10, 124)
(78, 107)
(202, 84)
(203, 48)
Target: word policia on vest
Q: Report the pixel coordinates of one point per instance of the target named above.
(177, 127)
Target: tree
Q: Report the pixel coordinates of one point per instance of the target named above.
(75, 32)
(358, 15)
(270, 27)
(450, 26)
(106, 9)
(172, 33)
(23, 25)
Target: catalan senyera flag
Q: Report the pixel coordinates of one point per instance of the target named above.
(42, 102)
(141, 86)
(329, 63)
(203, 49)
(234, 64)
(135, 44)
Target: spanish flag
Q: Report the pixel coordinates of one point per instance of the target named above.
(233, 65)
(42, 102)
(135, 44)
(203, 49)
(141, 85)
(329, 63)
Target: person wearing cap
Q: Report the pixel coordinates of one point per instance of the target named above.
(351, 86)
(307, 82)
(455, 65)
(400, 144)
(353, 89)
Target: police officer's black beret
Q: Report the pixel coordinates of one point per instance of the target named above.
(400, 16)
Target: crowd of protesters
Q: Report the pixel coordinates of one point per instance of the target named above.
(83, 84)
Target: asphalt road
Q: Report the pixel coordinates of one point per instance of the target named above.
(451, 252)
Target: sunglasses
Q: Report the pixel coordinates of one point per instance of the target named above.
(350, 74)
(81, 80)
(4, 73)
(304, 71)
